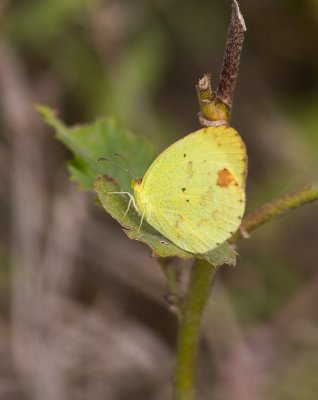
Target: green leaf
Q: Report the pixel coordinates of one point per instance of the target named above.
(102, 138)
(116, 205)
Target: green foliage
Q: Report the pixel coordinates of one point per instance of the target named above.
(104, 138)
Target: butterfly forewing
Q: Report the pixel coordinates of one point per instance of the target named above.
(194, 192)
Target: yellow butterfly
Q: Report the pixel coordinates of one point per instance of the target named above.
(194, 191)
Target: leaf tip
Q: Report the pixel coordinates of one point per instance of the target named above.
(44, 111)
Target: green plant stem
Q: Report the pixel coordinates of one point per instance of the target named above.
(275, 209)
(170, 270)
(199, 288)
(213, 111)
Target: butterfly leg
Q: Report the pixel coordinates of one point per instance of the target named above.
(129, 204)
(131, 200)
(142, 218)
(119, 193)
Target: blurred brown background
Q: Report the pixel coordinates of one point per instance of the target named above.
(82, 309)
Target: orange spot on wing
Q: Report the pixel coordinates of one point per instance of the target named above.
(225, 178)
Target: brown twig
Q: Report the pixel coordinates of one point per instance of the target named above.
(232, 57)
(216, 107)
(275, 209)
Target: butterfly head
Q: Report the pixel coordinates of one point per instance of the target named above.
(135, 184)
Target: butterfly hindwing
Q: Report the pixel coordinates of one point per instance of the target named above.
(194, 192)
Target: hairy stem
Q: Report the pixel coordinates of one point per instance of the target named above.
(232, 56)
(188, 338)
(275, 209)
(215, 108)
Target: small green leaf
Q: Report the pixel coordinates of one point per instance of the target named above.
(102, 138)
(116, 205)
(223, 254)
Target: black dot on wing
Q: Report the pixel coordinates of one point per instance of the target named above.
(184, 155)
(187, 200)
(184, 189)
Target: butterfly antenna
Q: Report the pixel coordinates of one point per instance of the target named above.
(117, 165)
(130, 168)
(104, 159)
